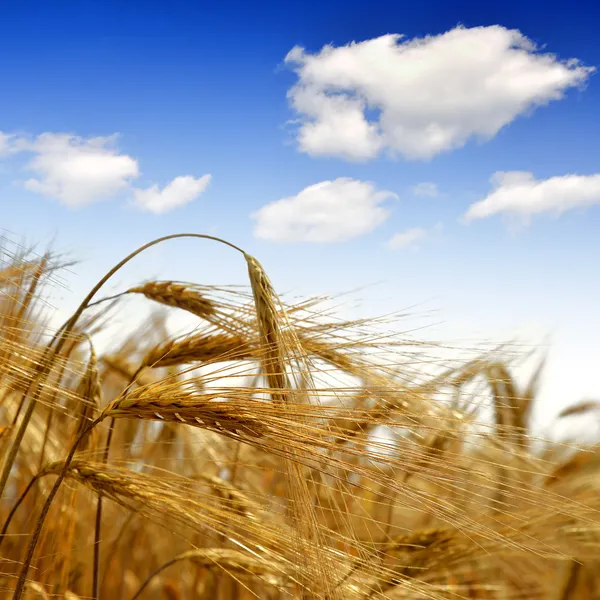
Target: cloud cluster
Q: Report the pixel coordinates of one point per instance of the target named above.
(76, 171)
(179, 192)
(426, 189)
(407, 238)
(411, 238)
(6, 144)
(415, 98)
(421, 97)
(329, 211)
(519, 195)
(80, 171)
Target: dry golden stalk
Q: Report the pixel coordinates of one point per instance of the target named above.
(89, 391)
(125, 370)
(272, 343)
(417, 544)
(574, 466)
(512, 406)
(464, 376)
(207, 411)
(199, 348)
(174, 501)
(17, 272)
(382, 395)
(329, 353)
(37, 590)
(580, 408)
(232, 560)
(527, 396)
(504, 391)
(171, 591)
(236, 500)
(176, 295)
(53, 350)
(419, 540)
(279, 352)
(569, 586)
(13, 323)
(229, 561)
(514, 551)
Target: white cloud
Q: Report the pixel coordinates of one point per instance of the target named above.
(412, 237)
(78, 171)
(426, 189)
(329, 211)
(520, 195)
(5, 143)
(407, 238)
(178, 192)
(429, 95)
(9, 144)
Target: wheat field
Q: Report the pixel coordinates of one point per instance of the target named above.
(276, 451)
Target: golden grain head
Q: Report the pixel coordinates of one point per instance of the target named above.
(203, 348)
(244, 465)
(176, 295)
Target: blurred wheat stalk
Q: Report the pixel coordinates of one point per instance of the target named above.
(247, 459)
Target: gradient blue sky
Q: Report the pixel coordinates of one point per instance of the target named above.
(196, 89)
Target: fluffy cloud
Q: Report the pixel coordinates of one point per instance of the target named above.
(407, 238)
(412, 237)
(426, 189)
(78, 171)
(519, 195)
(179, 192)
(5, 143)
(329, 211)
(428, 95)
(10, 144)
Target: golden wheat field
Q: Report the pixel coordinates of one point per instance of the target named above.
(242, 461)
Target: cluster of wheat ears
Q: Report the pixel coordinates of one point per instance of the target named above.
(247, 459)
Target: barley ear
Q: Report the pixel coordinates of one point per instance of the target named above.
(89, 392)
(176, 295)
(275, 350)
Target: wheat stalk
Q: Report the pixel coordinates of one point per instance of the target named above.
(90, 393)
(175, 295)
(199, 348)
(276, 349)
(230, 561)
(177, 404)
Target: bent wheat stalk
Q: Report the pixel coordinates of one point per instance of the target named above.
(199, 348)
(226, 559)
(52, 351)
(276, 349)
(176, 295)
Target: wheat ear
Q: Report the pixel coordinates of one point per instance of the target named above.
(226, 559)
(199, 348)
(176, 295)
(49, 356)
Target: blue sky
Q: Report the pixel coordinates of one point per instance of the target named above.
(369, 143)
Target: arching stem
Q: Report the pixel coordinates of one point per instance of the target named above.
(50, 354)
(20, 587)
